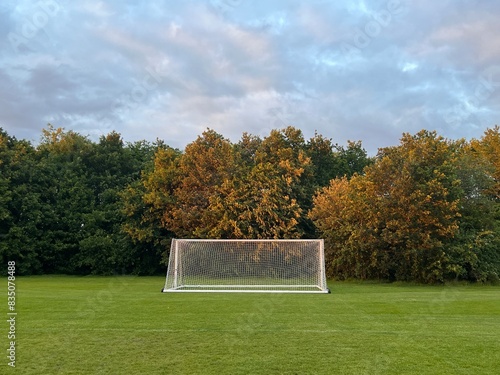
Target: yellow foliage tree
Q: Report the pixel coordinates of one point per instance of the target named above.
(393, 221)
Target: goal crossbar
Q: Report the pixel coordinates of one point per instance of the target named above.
(257, 266)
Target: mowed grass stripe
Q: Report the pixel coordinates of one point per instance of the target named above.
(115, 325)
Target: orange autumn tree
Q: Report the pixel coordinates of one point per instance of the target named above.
(205, 168)
(262, 200)
(216, 189)
(345, 216)
(488, 148)
(256, 188)
(397, 217)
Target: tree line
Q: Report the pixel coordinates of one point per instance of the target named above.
(426, 210)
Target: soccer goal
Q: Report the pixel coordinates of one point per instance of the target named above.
(271, 266)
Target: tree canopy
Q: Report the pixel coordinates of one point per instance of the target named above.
(426, 210)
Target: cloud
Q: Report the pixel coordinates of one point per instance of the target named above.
(162, 69)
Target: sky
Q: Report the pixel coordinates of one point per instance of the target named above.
(355, 70)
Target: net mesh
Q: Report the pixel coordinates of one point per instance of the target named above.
(246, 265)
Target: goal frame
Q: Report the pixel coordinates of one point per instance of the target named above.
(176, 286)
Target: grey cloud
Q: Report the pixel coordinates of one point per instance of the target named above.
(169, 69)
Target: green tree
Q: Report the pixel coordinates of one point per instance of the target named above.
(352, 159)
(324, 160)
(67, 198)
(21, 211)
(474, 253)
(105, 247)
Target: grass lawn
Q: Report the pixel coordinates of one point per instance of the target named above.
(124, 325)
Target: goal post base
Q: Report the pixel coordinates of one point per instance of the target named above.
(245, 291)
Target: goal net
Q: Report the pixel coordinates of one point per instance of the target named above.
(285, 266)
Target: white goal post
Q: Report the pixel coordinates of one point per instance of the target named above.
(270, 266)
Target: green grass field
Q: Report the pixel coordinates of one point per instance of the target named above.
(124, 325)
